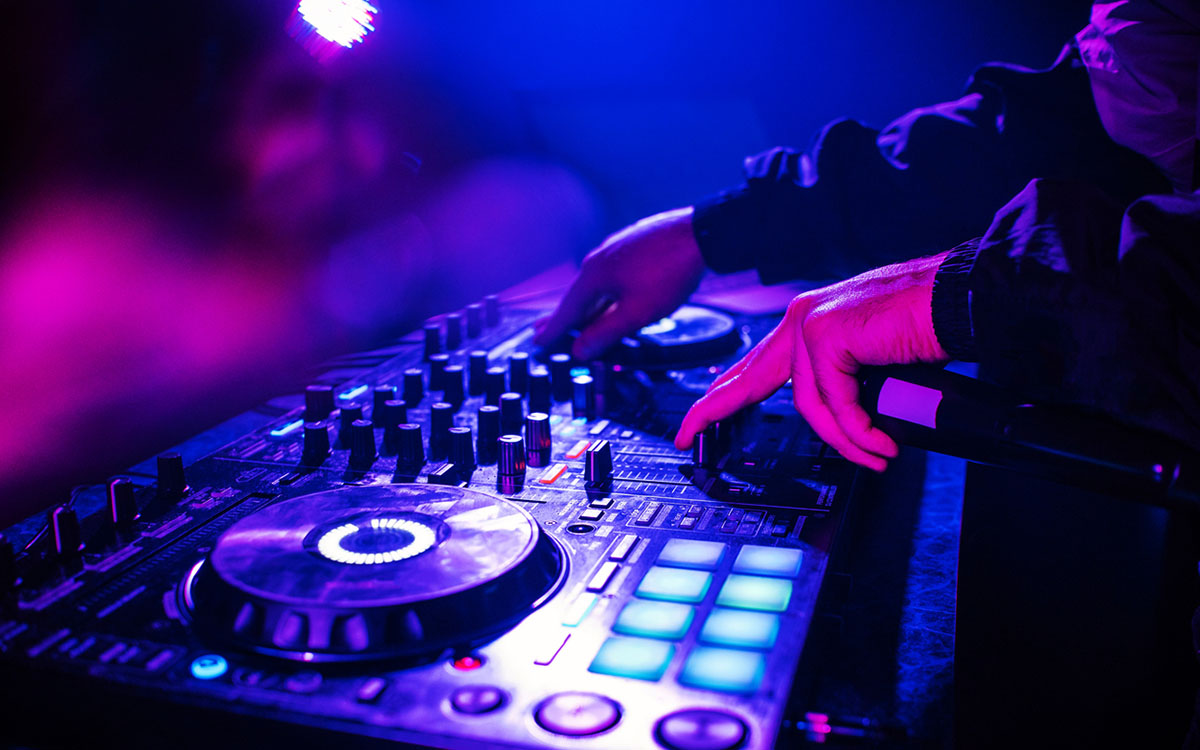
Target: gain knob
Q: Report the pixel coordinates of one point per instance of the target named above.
(598, 464)
(512, 413)
(316, 444)
(318, 402)
(539, 390)
(452, 386)
(410, 449)
(171, 482)
(414, 386)
(518, 373)
(462, 449)
(122, 505)
(441, 419)
(537, 439)
(489, 432)
(350, 414)
(433, 339)
(583, 401)
(510, 477)
(68, 540)
(454, 331)
(560, 376)
(362, 444)
(494, 385)
(474, 320)
(477, 366)
(381, 395)
(437, 371)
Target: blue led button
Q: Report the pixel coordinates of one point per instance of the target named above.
(755, 592)
(724, 669)
(768, 561)
(739, 629)
(674, 585)
(655, 620)
(689, 553)
(638, 658)
(209, 667)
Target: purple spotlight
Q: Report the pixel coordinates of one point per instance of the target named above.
(325, 27)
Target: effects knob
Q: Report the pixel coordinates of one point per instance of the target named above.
(511, 469)
(316, 444)
(462, 449)
(491, 310)
(512, 413)
(583, 402)
(171, 482)
(452, 385)
(122, 505)
(477, 367)
(433, 339)
(318, 402)
(454, 331)
(410, 449)
(350, 414)
(381, 395)
(362, 444)
(539, 390)
(441, 419)
(474, 320)
(598, 463)
(518, 373)
(489, 432)
(437, 371)
(537, 439)
(414, 386)
(68, 540)
(494, 385)
(560, 377)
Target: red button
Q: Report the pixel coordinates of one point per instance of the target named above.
(467, 663)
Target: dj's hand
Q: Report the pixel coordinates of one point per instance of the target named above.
(877, 318)
(636, 276)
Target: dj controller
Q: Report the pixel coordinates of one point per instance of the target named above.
(457, 541)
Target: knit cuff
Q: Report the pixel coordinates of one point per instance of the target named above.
(951, 302)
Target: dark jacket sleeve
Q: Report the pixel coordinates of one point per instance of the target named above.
(862, 198)
(1072, 300)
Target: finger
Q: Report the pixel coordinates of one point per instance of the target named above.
(617, 321)
(838, 389)
(579, 300)
(807, 400)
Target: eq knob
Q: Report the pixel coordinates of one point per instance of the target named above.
(454, 331)
(539, 390)
(316, 444)
(477, 366)
(350, 414)
(318, 402)
(598, 464)
(441, 419)
(491, 310)
(410, 449)
(362, 444)
(462, 449)
(518, 373)
(391, 413)
(583, 401)
(433, 339)
(511, 470)
(414, 386)
(437, 371)
(122, 505)
(537, 439)
(512, 413)
(452, 386)
(64, 525)
(380, 396)
(560, 377)
(474, 320)
(171, 482)
(488, 419)
(494, 385)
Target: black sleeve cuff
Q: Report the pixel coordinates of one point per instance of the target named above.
(951, 302)
(722, 224)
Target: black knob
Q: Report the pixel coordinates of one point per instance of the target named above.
(537, 439)
(494, 385)
(444, 474)
(512, 413)
(441, 419)
(437, 371)
(316, 444)
(64, 524)
(583, 402)
(362, 444)
(539, 390)
(711, 445)
(410, 449)
(512, 456)
(474, 320)
(433, 339)
(122, 505)
(171, 482)
(518, 373)
(489, 432)
(318, 402)
(382, 394)
(452, 385)
(454, 331)
(477, 366)
(462, 448)
(560, 376)
(414, 386)
(598, 463)
(350, 414)
(391, 413)
(491, 310)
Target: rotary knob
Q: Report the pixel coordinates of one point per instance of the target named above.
(452, 385)
(414, 386)
(489, 432)
(537, 439)
(494, 385)
(381, 395)
(391, 413)
(316, 444)
(454, 331)
(68, 540)
(598, 464)
(491, 310)
(477, 366)
(437, 371)
(560, 377)
(474, 320)
(583, 401)
(410, 449)
(362, 444)
(441, 419)
(350, 414)
(318, 402)
(462, 449)
(171, 481)
(511, 470)
(539, 390)
(512, 413)
(518, 373)
(433, 339)
(122, 505)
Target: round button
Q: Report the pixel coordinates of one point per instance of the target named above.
(576, 714)
(701, 729)
(477, 699)
(209, 667)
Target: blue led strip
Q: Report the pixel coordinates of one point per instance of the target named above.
(287, 428)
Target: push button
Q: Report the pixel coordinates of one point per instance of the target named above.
(575, 714)
(724, 669)
(638, 658)
(755, 592)
(688, 553)
(731, 627)
(700, 729)
(655, 620)
(768, 561)
(477, 699)
(674, 585)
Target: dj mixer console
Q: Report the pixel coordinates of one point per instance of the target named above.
(457, 541)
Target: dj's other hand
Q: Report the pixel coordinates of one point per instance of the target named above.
(880, 317)
(636, 276)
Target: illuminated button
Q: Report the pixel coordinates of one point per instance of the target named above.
(209, 667)
(700, 729)
(688, 522)
(477, 699)
(646, 517)
(551, 475)
(579, 610)
(303, 682)
(578, 449)
(591, 515)
(467, 663)
(624, 547)
(768, 561)
(674, 585)
(601, 502)
(575, 714)
(655, 620)
(723, 669)
(688, 553)
(370, 690)
(755, 592)
(599, 427)
(602, 576)
(638, 658)
(731, 627)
